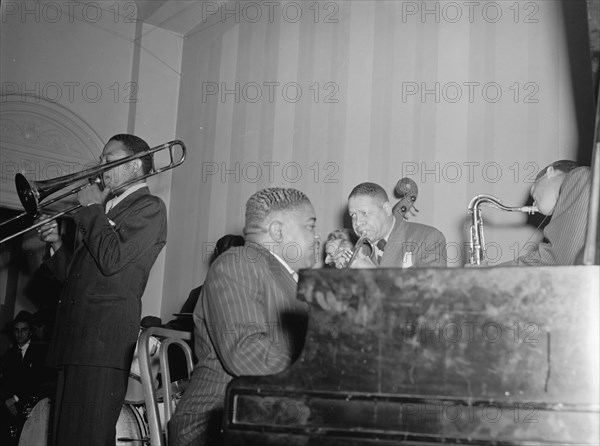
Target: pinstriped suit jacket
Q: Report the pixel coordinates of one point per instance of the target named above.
(247, 322)
(426, 245)
(565, 234)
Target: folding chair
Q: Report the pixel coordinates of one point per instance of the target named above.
(158, 435)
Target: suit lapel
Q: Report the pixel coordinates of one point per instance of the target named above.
(394, 247)
(117, 213)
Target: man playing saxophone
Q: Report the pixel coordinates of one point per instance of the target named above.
(561, 191)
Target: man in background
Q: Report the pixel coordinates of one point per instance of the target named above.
(23, 378)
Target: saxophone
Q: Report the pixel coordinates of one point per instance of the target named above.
(476, 241)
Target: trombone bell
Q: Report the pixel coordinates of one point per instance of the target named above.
(28, 194)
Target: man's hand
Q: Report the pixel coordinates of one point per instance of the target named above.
(11, 404)
(92, 195)
(49, 232)
(339, 252)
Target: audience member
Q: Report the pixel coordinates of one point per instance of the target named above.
(24, 379)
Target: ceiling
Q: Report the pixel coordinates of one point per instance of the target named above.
(178, 16)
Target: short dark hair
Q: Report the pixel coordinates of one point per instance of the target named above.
(266, 201)
(24, 317)
(133, 145)
(369, 189)
(562, 165)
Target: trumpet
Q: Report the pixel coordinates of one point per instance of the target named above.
(342, 240)
(32, 193)
(362, 241)
(476, 240)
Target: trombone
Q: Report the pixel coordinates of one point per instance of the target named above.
(32, 193)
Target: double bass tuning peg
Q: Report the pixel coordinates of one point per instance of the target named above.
(406, 189)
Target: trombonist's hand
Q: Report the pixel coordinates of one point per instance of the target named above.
(92, 195)
(48, 232)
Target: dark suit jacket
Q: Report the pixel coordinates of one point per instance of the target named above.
(23, 378)
(98, 315)
(248, 321)
(422, 245)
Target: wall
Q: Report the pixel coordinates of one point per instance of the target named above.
(158, 68)
(463, 99)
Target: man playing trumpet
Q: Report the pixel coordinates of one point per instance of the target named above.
(396, 243)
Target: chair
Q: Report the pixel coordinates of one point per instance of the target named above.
(152, 395)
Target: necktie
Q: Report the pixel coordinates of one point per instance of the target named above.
(380, 246)
(20, 354)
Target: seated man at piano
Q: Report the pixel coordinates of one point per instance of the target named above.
(397, 242)
(248, 320)
(562, 191)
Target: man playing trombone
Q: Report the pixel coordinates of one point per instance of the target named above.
(120, 230)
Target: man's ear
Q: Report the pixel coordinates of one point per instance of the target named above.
(387, 207)
(276, 231)
(136, 165)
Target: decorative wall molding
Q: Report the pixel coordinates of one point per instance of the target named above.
(42, 140)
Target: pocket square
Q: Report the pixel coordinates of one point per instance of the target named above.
(407, 260)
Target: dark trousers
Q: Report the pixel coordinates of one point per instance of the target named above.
(87, 405)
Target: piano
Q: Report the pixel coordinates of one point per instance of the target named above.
(504, 356)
